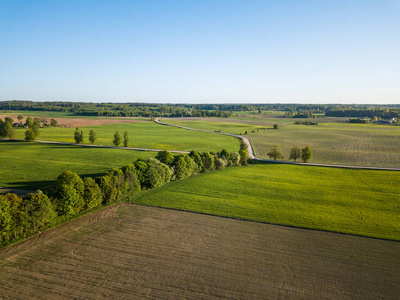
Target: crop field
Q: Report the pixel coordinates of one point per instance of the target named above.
(127, 251)
(332, 143)
(360, 202)
(144, 135)
(34, 166)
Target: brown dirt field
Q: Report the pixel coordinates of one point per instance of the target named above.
(129, 251)
(78, 122)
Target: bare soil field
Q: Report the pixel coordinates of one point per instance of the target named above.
(128, 251)
(79, 122)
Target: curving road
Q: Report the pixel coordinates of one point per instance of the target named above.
(253, 157)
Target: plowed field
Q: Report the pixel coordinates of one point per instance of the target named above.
(130, 252)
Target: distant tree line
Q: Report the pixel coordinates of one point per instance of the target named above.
(201, 110)
(21, 217)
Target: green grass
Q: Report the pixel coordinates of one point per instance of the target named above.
(35, 166)
(360, 202)
(144, 135)
(333, 143)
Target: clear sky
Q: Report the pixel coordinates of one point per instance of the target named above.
(201, 51)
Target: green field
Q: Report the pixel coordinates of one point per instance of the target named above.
(332, 143)
(361, 202)
(34, 166)
(144, 135)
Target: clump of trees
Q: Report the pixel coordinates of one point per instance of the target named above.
(275, 152)
(21, 217)
(78, 136)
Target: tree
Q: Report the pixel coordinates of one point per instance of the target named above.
(306, 154)
(40, 211)
(208, 161)
(36, 121)
(92, 136)
(275, 152)
(20, 117)
(69, 201)
(276, 126)
(126, 139)
(72, 179)
(78, 136)
(30, 135)
(165, 157)
(29, 122)
(5, 218)
(117, 139)
(195, 155)
(35, 129)
(295, 153)
(234, 159)
(244, 156)
(92, 194)
(220, 163)
(53, 122)
(224, 154)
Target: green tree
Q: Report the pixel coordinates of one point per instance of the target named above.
(40, 210)
(295, 153)
(117, 139)
(78, 136)
(5, 219)
(19, 215)
(36, 121)
(53, 123)
(165, 157)
(234, 159)
(20, 117)
(30, 135)
(306, 154)
(92, 136)
(208, 161)
(224, 154)
(244, 156)
(29, 122)
(195, 155)
(220, 163)
(126, 139)
(276, 126)
(69, 202)
(72, 179)
(35, 129)
(92, 194)
(275, 152)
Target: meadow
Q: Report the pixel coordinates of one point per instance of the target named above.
(331, 142)
(34, 166)
(143, 135)
(360, 202)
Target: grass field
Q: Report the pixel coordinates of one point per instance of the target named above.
(33, 166)
(144, 135)
(361, 202)
(129, 251)
(332, 143)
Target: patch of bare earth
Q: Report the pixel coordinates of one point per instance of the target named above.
(78, 122)
(128, 251)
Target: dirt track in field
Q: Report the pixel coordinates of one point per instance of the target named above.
(130, 251)
(78, 122)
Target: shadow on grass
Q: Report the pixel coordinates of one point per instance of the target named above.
(44, 184)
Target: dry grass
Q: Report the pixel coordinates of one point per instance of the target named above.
(129, 251)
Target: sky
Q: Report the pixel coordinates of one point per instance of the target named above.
(201, 51)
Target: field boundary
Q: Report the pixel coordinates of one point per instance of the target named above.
(263, 160)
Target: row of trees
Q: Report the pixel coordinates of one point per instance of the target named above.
(7, 130)
(305, 154)
(79, 137)
(24, 216)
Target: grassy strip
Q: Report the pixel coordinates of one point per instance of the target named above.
(360, 202)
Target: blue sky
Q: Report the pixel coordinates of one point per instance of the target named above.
(200, 51)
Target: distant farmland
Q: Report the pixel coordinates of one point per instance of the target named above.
(332, 143)
(128, 251)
